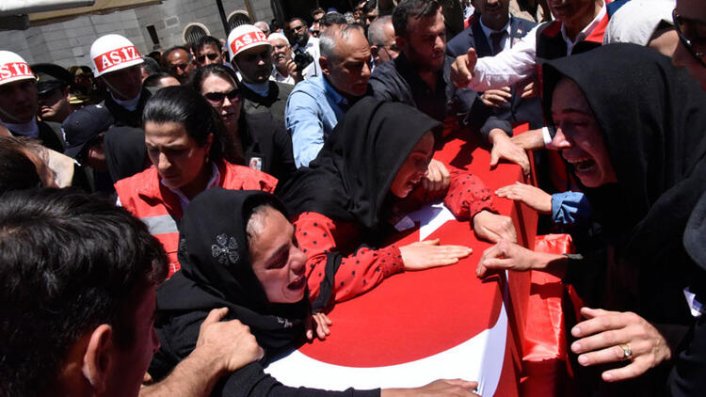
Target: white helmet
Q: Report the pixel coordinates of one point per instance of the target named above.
(113, 52)
(245, 37)
(14, 68)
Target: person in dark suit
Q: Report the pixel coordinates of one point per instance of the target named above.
(495, 111)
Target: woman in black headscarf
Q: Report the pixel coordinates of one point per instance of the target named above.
(369, 172)
(631, 128)
(237, 251)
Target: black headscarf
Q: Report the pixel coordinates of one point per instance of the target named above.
(216, 270)
(653, 120)
(350, 178)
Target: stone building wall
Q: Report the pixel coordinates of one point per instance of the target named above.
(68, 43)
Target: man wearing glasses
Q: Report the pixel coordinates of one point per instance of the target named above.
(305, 48)
(690, 23)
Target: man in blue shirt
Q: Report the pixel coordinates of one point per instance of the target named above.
(315, 105)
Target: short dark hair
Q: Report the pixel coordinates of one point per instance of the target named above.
(154, 80)
(17, 171)
(204, 41)
(316, 11)
(297, 19)
(412, 9)
(183, 104)
(68, 263)
(333, 18)
(151, 66)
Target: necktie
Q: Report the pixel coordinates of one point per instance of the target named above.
(496, 40)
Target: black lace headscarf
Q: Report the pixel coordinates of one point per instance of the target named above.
(216, 270)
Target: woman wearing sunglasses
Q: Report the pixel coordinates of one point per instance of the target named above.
(253, 139)
(690, 23)
(185, 143)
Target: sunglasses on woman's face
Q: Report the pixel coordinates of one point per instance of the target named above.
(692, 35)
(202, 58)
(233, 95)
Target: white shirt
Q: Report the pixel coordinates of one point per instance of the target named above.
(278, 77)
(517, 63)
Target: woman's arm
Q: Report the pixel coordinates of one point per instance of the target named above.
(356, 274)
(343, 277)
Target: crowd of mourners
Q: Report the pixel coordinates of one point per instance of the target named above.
(172, 223)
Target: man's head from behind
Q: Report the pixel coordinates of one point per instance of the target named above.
(116, 61)
(77, 282)
(344, 60)
(18, 89)
(420, 33)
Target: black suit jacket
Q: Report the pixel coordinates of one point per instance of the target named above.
(474, 37)
(481, 117)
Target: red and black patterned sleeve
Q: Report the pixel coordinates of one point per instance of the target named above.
(467, 195)
(355, 274)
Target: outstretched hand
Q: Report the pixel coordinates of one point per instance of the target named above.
(533, 197)
(493, 227)
(427, 254)
(441, 387)
(505, 148)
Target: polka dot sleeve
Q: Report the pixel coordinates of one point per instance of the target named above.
(359, 271)
(467, 195)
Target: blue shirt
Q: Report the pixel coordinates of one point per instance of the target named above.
(570, 208)
(313, 110)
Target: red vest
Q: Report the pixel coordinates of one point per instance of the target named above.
(159, 208)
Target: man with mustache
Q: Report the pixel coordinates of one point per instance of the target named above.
(285, 70)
